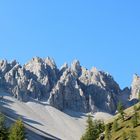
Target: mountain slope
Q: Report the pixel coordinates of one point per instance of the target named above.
(125, 126)
(45, 117)
(65, 125)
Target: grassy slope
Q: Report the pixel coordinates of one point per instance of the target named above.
(125, 126)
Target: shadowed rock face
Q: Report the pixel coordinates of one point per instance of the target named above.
(74, 87)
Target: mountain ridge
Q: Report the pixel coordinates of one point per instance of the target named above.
(70, 87)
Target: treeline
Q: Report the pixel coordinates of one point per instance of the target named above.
(123, 127)
(13, 132)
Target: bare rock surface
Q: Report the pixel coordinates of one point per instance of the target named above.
(75, 88)
(135, 87)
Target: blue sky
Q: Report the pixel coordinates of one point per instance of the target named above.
(100, 33)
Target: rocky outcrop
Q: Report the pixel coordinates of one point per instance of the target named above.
(67, 94)
(124, 97)
(75, 88)
(35, 79)
(45, 70)
(135, 87)
(85, 90)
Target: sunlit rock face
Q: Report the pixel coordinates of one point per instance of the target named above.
(70, 87)
(67, 94)
(35, 79)
(85, 90)
(46, 73)
(45, 70)
(135, 87)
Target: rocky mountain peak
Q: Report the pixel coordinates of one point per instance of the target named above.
(94, 70)
(76, 68)
(34, 65)
(4, 66)
(75, 87)
(50, 62)
(64, 66)
(75, 65)
(39, 63)
(136, 77)
(135, 86)
(3, 62)
(14, 62)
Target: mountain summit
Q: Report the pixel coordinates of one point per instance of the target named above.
(74, 88)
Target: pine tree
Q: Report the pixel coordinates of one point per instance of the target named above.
(107, 132)
(100, 126)
(115, 125)
(132, 135)
(89, 134)
(3, 129)
(121, 110)
(17, 131)
(93, 130)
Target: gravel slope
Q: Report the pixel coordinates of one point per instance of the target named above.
(67, 126)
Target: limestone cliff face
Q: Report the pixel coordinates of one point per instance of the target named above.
(135, 87)
(85, 90)
(35, 79)
(45, 72)
(67, 94)
(74, 87)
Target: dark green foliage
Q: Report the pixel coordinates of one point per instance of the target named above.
(135, 117)
(17, 131)
(120, 109)
(107, 132)
(93, 130)
(134, 121)
(115, 126)
(99, 125)
(132, 135)
(90, 132)
(3, 129)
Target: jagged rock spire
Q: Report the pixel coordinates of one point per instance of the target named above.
(74, 87)
(135, 87)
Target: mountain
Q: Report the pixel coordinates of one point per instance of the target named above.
(70, 87)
